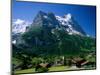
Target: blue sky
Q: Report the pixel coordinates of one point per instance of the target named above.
(84, 15)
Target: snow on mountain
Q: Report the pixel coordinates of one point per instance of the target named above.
(64, 20)
(19, 25)
(68, 22)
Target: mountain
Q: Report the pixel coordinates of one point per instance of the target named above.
(67, 22)
(19, 26)
(50, 34)
(47, 22)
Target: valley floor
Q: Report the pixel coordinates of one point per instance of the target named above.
(53, 69)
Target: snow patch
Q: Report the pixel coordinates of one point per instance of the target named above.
(68, 16)
(45, 16)
(65, 19)
(19, 25)
(14, 42)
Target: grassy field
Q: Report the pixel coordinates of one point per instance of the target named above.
(53, 69)
(32, 70)
(26, 71)
(57, 68)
